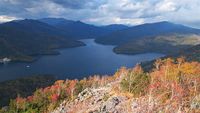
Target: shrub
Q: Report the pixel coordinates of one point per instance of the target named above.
(135, 81)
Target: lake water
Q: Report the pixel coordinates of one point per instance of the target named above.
(75, 62)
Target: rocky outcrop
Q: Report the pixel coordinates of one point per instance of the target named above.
(195, 104)
(88, 100)
(95, 100)
(85, 94)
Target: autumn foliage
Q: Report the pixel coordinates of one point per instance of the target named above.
(46, 99)
(175, 84)
(172, 86)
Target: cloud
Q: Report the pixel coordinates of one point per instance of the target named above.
(166, 6)
(79, 4)
(106, 11)
(188, 13)
(4, 18)
(116, 20)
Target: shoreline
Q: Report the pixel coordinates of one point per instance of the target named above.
(35, 57)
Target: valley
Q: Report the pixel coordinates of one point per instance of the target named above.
(99, 56)
(76, 62)
(36, 53)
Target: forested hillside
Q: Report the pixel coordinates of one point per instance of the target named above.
(19, 40)
(166, 44)
(23, 87)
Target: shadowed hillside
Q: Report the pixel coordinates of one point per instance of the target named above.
(19, 40)
(23, 87)
(190, 54)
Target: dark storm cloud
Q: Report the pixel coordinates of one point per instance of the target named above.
(79, 4)
(15, 7)
(74, 4)
(37, 8)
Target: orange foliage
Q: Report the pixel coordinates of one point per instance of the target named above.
(54, 97)
(174, 82)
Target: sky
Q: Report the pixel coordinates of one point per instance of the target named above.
(103, 12)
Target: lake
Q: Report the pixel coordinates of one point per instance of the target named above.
(76, 62)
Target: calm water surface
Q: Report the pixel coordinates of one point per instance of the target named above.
(75, 62)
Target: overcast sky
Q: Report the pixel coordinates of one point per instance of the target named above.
(101, 12)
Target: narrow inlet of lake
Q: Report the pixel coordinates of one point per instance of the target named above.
(76, 62)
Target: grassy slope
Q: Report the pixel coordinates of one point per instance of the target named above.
(167, 44)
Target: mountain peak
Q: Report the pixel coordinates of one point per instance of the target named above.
(79, 22)
(55, 21)
(165, 22)
(158, 23)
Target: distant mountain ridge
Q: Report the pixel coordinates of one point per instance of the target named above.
(55, 21)
(145, 30)
(115, 27)
(162, 37)
(81, 30)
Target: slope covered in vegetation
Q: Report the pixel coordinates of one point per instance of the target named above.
(24, 87)
(190, 54)
(163, 37)
(172, 86)
(20, 40)
(166, 44)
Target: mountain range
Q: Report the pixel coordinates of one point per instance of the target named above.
(22, 39)
(80, 30)
(163, 37)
